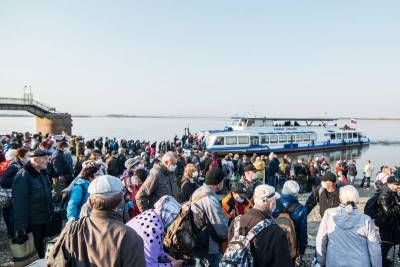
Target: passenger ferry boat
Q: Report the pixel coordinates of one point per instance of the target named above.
(264, 135)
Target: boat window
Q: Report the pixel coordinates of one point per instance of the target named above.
(333, 136)
(306, 137)
(355, 135)
(259, 123)
(242, 123)
(313, 137)
(243, 140)
(264, 139)
(219, 141)
(282, 138)
(269, 123)
(299, 138)
(250, 123)
(231, 140)
(273, 139)
(235, 123)
(338, 136)
(291, 138)
(255, 141)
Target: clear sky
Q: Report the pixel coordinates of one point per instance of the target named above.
(281, 58)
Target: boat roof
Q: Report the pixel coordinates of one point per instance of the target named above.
(284, 119)
(241, 133)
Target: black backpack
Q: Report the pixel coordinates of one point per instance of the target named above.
(372, 206)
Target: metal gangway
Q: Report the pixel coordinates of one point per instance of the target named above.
(26, 103)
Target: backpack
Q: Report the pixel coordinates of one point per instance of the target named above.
(372, 206)
(238, 252)
(181, 237)
(286, 224)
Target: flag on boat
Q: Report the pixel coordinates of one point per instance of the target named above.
(353, 121)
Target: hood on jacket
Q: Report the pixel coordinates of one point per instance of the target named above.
(344, 220)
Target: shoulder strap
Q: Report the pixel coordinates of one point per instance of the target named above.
(293, 207)
(258, 228)
(197, 198)
(236, 226)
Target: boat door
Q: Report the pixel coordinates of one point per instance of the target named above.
(254, 140)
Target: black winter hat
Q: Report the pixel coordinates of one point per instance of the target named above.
(329, 177)
(214, 176)
(39, 153)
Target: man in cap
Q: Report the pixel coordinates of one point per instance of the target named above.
(101, 239)
(388, 216)
(209, 217)
(249, 180)
(236, 202)
(326, 194)
(32, 200)
(270, 246)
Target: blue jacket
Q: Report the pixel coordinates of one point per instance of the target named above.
(76, 202)
(299, 218)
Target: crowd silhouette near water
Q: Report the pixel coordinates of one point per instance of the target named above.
(71, 201)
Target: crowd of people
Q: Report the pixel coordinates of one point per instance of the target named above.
(135, 203)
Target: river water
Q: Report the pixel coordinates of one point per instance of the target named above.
(384, 150)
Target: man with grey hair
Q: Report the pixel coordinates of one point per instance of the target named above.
(160, 182)
(270, 247)
(32, 200)
(100, 239)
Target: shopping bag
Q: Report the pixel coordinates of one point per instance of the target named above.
(23, 251)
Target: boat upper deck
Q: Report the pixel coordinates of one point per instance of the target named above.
(241, 123)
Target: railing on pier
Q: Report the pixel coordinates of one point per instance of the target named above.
(26, 101)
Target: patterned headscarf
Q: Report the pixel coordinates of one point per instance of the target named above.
(168, 208)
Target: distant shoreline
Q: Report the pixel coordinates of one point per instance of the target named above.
(175, 117)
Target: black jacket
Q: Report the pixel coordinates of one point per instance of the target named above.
(61, 167)
(388, 215)
(187, 190)
(31, 198)
(270, 247)
(325, 199)
(273, 167)
(7, 179)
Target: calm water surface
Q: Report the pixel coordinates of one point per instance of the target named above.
(384, 150)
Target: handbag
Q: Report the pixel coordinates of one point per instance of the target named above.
(24, 252)
(5, 197)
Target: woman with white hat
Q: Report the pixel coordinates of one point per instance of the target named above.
(347, 237)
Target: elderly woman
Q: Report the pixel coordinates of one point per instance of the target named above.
(150, 226)
(346, 232)
(289, 203)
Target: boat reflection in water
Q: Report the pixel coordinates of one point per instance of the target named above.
(332, 156)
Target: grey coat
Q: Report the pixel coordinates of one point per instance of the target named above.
(209, 206)
(347, 240)
(159, 183)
